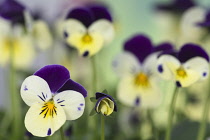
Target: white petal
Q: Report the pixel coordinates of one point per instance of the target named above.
(5, 27)
(105, 28)
(43, 126)
(35, 90)
(167, 65)
(72, 26)
(150, 63)
(72, 102)
(149, 97)
(200, 65)
(125, 63)
(190, 18)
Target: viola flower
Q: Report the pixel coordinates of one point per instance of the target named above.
(53, 98)
(188, 66)
(136, 68)
(105, 104)
(88, 29)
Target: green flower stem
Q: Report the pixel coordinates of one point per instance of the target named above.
(154, 130)
(62, 133)
(171, 114)
(102, 128)
(202, 129)
(15, 99)
(94, 69)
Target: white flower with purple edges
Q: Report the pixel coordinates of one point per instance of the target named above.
(186, 67)
(136, 67)
(88, 29)
(53, 98)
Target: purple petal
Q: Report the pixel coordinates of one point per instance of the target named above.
(176, 6)
(100, 12)
(100, 96)
(169, 52)
(84, 15)
(140, 46)
(13, 11)
(191, 50)
(163, 47)
(55, 75)
(71, 85)
(206, 22)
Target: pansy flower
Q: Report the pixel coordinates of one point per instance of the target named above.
(88, 29)
(105, 104)
(136, 68)
(53, 98)
(188, 66)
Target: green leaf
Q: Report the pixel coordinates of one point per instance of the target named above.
(93, 99)
(93, 112)
(105, 91)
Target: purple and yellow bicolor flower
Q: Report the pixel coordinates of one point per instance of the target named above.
(12, 29)
(105, 104)
(186, 67)
(136, 68)
(88, 29)
(53, 98)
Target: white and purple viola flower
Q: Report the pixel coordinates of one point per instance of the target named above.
(136, 68)
(88, 29)
(53, 98)
(188, 66)
(105, 104)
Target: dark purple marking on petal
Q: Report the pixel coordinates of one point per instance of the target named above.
(163, 47)
(85, 54)
(12, 10)
(79, 108)
(55, 75)
(160, 68)
(65, 34)
(137, 101)
(189, 51)
(204, 74)
(71, 85)
(81, 104)
(41, 98)
(60, 101)
(140, 46)
(49, 132)
(100, 96)
(177, 6)
(25, 88)
(178, 84)
(100, 12)
(62, 105)
(82, 14)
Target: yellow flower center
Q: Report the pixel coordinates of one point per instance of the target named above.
(181, 72)
(48, 109)
(141, 79)
(87, 39)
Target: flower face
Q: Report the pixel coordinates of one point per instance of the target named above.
(188, 66)
(136, 68)
(53, 98)
(88, 29)
(105, 104)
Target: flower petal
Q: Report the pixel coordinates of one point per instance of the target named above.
(72, 102)
(104, 106)
(55, 75)
(130, 94)
(71, 85)
(72, 26)
(166, 65)
(166, 46)
(84, 15)
(200, 65)
(125, 63)
(44, 126)
(191, 50)
(35, 90)
(140, 46)
(100, 12)
(105, 28)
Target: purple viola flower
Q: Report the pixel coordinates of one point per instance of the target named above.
(176, 6)
(185, 67)
(136, 67)
(12, 10)
(105, 104)
(89, 28)
(53, 98)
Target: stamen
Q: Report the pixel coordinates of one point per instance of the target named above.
(48, 110)
(87, 39)
(141, 79)
(181, 72)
